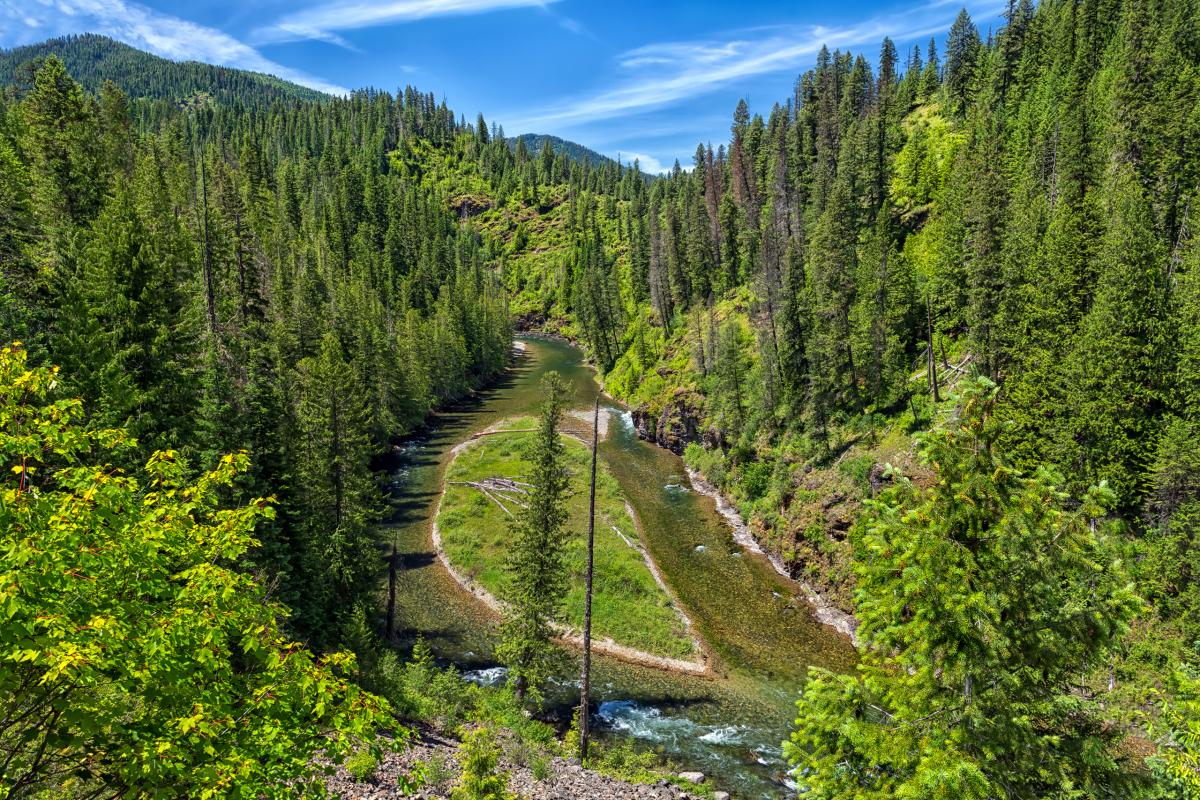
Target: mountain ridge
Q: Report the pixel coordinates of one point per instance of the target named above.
(573, 150)
(93, 58)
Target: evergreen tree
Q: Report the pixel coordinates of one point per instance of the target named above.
(979, 600)
(931, 77)
(480, 779)
(1115, 371)
(537, 573)
(730, 391)
(337, 498)
(962, 60)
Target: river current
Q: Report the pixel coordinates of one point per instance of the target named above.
(757, 625)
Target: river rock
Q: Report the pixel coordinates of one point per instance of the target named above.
(720, 796)
(692, 777)
(564, 780)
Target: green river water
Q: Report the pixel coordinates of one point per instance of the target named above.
(758, 627)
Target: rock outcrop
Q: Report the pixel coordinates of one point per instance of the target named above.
(470, 205)
(676, 426)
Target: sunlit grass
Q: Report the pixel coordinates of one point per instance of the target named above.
(628, 605)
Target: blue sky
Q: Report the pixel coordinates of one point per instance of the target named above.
(631, 79)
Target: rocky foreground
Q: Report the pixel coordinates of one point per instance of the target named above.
(435, 757)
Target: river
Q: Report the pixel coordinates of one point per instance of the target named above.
(757, 625)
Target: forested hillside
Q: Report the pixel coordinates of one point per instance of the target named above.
(534, 142)
(92, 59)
(802, 298)
(802, 301)
(997, 243)
(221, 280)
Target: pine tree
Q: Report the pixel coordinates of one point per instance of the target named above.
(58, 136)
(537, 574)
(336, 499)
(1115, 372)
(730, 392)
(962, 60)
(832, 270)
(931, 78)
(979, 600)
(884, 313)
(480, 779)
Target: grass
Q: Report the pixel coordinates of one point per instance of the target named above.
(628, 606)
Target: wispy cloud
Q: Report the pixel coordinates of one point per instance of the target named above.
(666, 73)
(572, 25)
(323, 21)
(24, 21)
(646, 163)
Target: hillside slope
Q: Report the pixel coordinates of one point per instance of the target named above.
(91, 59)
(534, 142)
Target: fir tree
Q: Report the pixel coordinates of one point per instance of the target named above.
(537, 573)
(962, 60)
(979, 600)
(336, 495)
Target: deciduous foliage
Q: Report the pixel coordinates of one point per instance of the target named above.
(137, 657)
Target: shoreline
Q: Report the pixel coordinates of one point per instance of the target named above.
(606, 646)
(823, 611)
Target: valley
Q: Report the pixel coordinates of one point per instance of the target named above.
(758, 626)
(897, 489)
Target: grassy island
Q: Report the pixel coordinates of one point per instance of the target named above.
(484, 486)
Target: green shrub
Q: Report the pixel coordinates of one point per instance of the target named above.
(858, 469)
(414, 780)
(434, 695)
(620, 759)
(500, 708)
(362, 765)
(437, 771)
(539, 765)
(754, 479)
(480, 779)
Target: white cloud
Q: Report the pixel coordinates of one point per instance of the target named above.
(572, 25)
(165, 35)
(669, 72)
(321, 21)
(646, 163)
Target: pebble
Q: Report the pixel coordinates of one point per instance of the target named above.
(565, 781)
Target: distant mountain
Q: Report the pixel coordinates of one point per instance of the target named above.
(91, 59)
(572, 150)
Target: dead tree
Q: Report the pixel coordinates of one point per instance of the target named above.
(585, 684)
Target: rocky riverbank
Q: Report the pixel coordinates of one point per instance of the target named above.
(435, 757)
(825, 612)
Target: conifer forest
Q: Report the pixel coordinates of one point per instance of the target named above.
(855, 457)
